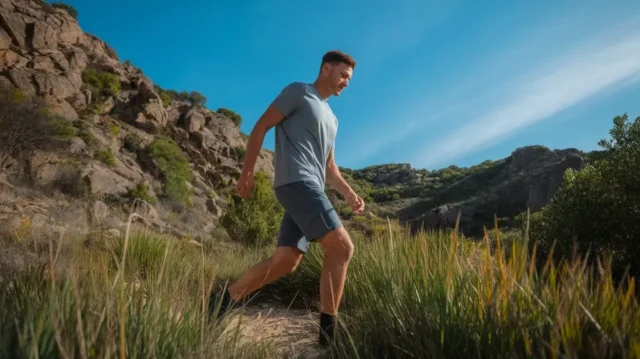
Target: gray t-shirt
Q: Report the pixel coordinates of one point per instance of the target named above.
(305, 136)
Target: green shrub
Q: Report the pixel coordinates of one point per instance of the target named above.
(240, 152)
(105, 156)
(173, 165)
(166, 98)
(114, 128)
(84, 132)
(196, 98)
(254, 221)
(598, 207)
(236, 118)
(141, 191)
(133, 142)
(101, 80)
(385, 194)
(26, 124)
(66, 7)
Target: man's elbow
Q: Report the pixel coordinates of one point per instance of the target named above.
(332, 170)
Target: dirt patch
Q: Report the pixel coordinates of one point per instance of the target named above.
(293, 332)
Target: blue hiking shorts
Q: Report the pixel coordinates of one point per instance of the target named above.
(308, 215)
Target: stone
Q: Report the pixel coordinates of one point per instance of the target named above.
(77, 145)
(194, 120)
(103, 181)
(99, 212)
(5, 40)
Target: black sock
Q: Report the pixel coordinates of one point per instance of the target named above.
(327, 322)
(224, 303)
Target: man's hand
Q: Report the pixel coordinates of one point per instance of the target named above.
(270, 118)
(245, 184)
(355, 202)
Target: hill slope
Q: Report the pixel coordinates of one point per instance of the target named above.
(126, 137)
(528, 178)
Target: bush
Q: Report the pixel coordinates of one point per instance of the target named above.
(254, 221)
(385, 194)
(236, 118)
(141, 191)
(105, 156)
(133, 142)
(173, 165)
(28, 125)
(194, 97)
(166, 98)
(101, 80)
(66, 7)
(598, 207)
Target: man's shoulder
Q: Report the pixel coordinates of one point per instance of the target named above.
(297, 86)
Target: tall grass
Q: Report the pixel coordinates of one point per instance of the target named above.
(437, 295)
(134, 297)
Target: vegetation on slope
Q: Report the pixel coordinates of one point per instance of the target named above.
(597, 209)
(440, 296)
(28, 125)
(136, 296)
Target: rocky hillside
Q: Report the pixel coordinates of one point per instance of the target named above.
(124, 137)
(528, 178)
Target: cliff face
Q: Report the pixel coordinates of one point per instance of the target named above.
(127, 132)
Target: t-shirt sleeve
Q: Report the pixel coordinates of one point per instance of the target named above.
(289, 98)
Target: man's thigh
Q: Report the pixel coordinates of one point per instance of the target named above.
(309, 208)
(290, 234)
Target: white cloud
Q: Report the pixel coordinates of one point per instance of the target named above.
(587, 71)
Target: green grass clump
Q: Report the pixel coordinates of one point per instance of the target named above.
(101, 80)
(141, 191)
(105, 156)
(173, 165)
(68, 8)
(439, 296)
(137, 296)
(232, 115)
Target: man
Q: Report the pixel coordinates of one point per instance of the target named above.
(304, 160)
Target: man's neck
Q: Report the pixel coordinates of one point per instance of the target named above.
(322, 89)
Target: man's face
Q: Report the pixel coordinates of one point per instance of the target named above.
(338, 77)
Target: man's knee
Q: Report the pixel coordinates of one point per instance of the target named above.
(337, 243)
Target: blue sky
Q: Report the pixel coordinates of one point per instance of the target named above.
(436, 83)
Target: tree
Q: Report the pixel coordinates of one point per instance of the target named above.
(598, 207)
(254, 221)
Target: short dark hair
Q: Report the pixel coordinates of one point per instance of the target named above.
(336, 57)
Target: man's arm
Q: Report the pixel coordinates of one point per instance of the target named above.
(284, 104)
(335, 180)
(270, 118)
(334, 177)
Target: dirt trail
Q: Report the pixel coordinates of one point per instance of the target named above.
(293, 332)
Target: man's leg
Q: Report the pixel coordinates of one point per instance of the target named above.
(308, 205)
(290, 249)
(338, 250)
(283, 261)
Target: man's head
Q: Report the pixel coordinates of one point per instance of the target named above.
(336, 70)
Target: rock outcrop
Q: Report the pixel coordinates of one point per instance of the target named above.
(119, 113)
(527, 179)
